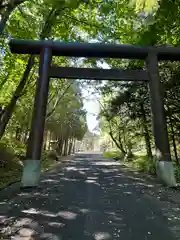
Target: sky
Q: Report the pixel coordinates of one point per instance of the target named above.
(92, 106)
(91, 101)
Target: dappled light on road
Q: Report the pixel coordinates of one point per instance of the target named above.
(102, 236)
(88, 199)
(105, 163)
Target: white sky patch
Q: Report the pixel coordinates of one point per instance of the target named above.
(92, 106)
(91, 100)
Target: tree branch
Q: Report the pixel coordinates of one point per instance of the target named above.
(57, 102)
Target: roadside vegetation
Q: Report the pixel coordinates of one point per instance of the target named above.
(12, 164)
(140, 162)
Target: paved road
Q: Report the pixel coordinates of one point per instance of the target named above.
(90, 198)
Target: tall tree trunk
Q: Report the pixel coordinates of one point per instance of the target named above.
(116, 142)
(65, 147)
(50, 137)
(70, 146)
(8, 111)
(124, 140)
(4, 18)
(60, 146)
(74, 146)
(146, 132)
(45, 139)
(173, 139)
(121, 145)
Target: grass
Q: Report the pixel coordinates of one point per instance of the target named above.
(112, 154)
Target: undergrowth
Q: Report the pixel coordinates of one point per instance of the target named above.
(11, 161)
(143, 164)
(177, 172)
(112, 154)
(10, 164)
(138, 162)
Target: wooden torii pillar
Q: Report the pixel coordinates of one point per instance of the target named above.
(47, 49)
(164, 166)
(32, 164)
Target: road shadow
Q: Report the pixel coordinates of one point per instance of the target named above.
(89, 198)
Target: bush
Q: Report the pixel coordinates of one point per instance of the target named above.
(52, 155)
(14, 145)
(10, 165)
(113, 154)
(6, 155)
(48, 159)
(144, 164)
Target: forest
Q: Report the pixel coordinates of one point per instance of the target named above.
(125, 117)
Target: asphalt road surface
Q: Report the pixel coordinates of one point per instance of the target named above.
(89, 198)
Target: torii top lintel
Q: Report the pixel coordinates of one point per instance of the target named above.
(93, 50)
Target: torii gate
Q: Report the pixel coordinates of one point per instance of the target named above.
(46, 49)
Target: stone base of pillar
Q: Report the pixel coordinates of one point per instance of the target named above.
(31, 173)
(165, 172)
